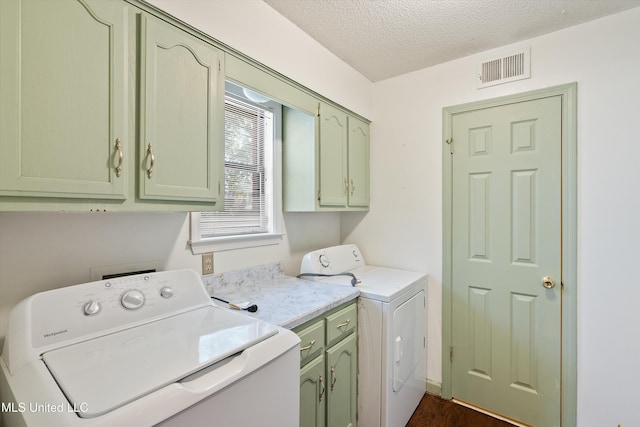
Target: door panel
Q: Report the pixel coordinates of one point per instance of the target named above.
(333, 156)
(506, 236)
(63, 109)
(409, 331)
(313, 393)
(183, 98)
(358, 163)
(342, 365)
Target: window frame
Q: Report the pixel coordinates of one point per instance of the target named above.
(201, 245)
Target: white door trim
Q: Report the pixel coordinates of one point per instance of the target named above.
(568, 93)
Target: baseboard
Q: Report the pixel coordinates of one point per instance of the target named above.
(434, 387)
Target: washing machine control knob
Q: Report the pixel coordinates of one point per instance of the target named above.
(166, 292)
(324, 261)
(91, 308)
(132, 300)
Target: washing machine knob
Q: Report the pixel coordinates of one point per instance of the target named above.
(166, 292)
(324, 261)
(132, 300)
(91, 308)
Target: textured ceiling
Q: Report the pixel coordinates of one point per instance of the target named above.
(386, 38)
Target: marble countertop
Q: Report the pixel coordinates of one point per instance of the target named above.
(282, 300)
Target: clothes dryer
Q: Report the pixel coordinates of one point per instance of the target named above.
(392, 322)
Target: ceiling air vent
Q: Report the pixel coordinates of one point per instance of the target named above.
(505, 68)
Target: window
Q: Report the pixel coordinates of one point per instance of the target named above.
(249, 132)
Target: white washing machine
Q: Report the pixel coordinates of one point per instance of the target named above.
(145, 350)
(392, 330)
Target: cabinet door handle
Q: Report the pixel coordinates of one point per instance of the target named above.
(308, 347)
(322, 390)
(333, 377)
(153, 160)
(343, 324)
(346, 187)
(120, 157)
(353, 187)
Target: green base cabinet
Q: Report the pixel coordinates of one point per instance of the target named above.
(329, 367)
(313, 393)
(325, 160)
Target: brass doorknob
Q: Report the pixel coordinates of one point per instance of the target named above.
(548, 282)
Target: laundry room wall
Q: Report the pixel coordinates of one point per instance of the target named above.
(41, 251)
(404, 227)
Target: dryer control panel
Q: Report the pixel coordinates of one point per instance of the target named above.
(332, 260)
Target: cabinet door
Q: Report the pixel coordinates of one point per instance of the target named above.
(313, 394)
(342, 365)
(358, 163)
(182, 101)
(333, 156)
(63, 110)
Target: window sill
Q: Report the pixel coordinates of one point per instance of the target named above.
(218, 244)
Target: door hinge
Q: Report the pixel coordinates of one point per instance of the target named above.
(318, 114)
(451, 353)
(450, 143)
(318, 195)
(218, 187)
(219, 66)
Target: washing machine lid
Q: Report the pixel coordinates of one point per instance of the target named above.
(380, 283)
(105, 373)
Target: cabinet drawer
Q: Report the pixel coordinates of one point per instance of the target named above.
(341, 324)
(311, 341)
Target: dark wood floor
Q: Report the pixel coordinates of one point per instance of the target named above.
(434, 411)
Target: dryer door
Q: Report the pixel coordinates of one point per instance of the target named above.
(409, 340)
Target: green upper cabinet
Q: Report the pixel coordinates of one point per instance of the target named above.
(182, 102)
(334, 186)
(326, 161)
(358, 163)
(63, 110)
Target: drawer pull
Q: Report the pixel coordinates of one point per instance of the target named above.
(120, 157)
(308, 347)
(343, 324)
(153, 160)
(322, 390)
(333, 377)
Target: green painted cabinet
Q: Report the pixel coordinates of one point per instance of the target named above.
(182, 101)
(313, 393)
(107, 107)
(358, 163)
(63, 112)
(342, 369)
(333, 160)
(325, 160)
(329, 364)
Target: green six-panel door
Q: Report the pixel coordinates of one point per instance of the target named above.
(63, 110)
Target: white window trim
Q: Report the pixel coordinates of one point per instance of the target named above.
(227, 243)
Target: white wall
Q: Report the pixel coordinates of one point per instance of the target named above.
(404, 226)
(42, 251)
